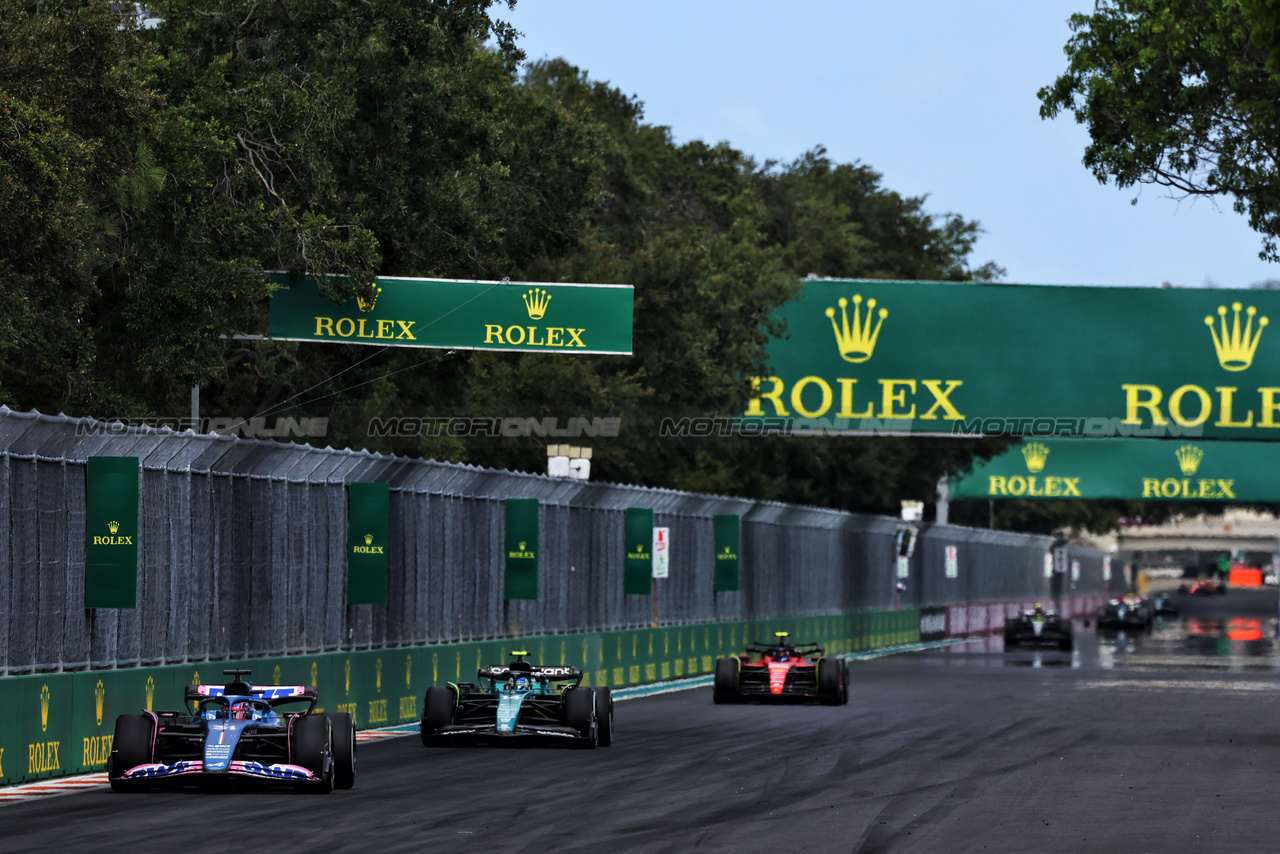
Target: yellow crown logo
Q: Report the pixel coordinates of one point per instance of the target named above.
(151, 692)
(856, 342)
(44, 707)
(366, 305)
(368, 539)
(1235, 349)
(99, 698)
(522, 545)
(1035, 454)
(377, 669)
(346, 670)
(275, 675)
(113, 526)
(536, 301)
(408, 670)
(315, 674)
(1189, 457)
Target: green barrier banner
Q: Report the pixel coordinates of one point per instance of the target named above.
(1128, 469)
(727, 528)
(111, 533)
(521, 576)
(368, 510)
(637, 573)
(969, 359)
(528, 317)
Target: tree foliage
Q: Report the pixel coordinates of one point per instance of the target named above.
(149, 176)
(1183, 94)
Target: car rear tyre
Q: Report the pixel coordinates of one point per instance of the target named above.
(132, 746)
(312, 748)
(580, 714)
(344, 750)
(829, 681)
(437, 711)
(726, 680)
(604, 716)
(844, 682)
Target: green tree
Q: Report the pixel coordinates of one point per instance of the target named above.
(114, 288)
(1182, 94)
(386, 137)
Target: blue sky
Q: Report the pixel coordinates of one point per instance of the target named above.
(938, 95)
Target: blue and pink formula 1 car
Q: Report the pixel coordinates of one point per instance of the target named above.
(232, 735)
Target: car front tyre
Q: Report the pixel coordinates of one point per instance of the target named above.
(312, 748)
(725, 688)
(131, 747)
(344, 750)
(438, 709)
(604, 716)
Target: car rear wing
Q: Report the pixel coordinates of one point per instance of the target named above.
(550, 674)
(799, 648)
(276, 695)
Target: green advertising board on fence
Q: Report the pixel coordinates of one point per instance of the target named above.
(1128, 469)
(967, 359)
(520, 579)
(637, 571)
(111, 532)
(727, 527)
(532, 317)
(368, 514)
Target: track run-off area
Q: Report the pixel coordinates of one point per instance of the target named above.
(1160, 741)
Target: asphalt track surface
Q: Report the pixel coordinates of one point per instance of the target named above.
(1163, 742)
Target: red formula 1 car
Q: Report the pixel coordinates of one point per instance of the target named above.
(782, 672)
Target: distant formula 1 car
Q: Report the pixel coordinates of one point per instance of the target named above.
(780, 672)
(235, 734)
(1131, 612)
(519, 703)
(1204, 587)
(1039, 627)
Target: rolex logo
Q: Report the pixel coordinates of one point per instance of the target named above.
(1189, 457)
(408, 670)
(377, 670)
(346, 670)
(536, 301)
(275, 675)
(857, 342)
(1235, 348)
(99, 698)
(366, 305)
(44, 708)
(1035, 454)
(368, 539)
(151, 692)
(113, 526)
(315, 673)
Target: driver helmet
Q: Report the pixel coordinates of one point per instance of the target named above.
(522, 683)
(242, 710)
(1039, 608)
